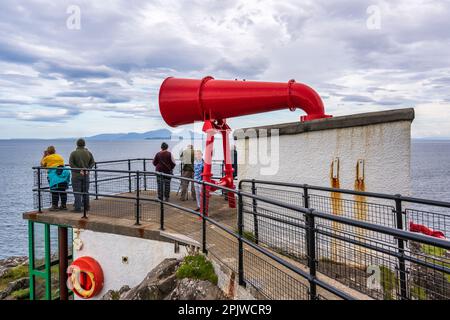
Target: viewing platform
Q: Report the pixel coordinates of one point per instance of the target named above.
(267, 243)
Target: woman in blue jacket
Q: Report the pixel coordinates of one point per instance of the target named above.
(58, 180)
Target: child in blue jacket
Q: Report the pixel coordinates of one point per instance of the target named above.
(198, 170)
(58, 180)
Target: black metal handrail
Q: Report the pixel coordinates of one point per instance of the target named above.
(310, 216)
(385, 196)
(398, 211)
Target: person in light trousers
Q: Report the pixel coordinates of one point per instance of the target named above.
(198, 170)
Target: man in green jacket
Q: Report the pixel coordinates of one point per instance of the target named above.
(81, 159)
(187, 171)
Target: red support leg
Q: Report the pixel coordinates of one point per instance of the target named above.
(210, 131)
(211, 128)
(227, 180)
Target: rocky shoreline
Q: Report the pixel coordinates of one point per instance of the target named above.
(14, 280)
(165, 281)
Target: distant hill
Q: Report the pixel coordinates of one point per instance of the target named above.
(153, 135)
(160, 134)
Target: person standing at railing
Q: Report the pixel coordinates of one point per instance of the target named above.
(58, 181)
(81, 159)
(51, 159)
(199, 163)
(235, 160)
(164, 162)
(187, 171)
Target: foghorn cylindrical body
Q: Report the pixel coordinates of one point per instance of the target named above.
(184, 101)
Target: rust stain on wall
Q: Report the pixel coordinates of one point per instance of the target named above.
(360, 207)
(231, 286)
(360, 201)
(336, 206)
(82, 223)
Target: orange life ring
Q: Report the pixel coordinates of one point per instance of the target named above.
(85, 277)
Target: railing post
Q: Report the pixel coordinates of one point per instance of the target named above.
(241, 245)
(161, 200)
(138, 209)
(63, 262)
(222, 173)
(306, 205)
(205, 251)
(144, 167)
(401, 249)
(39, 190)
(310, 227)
(96, 181)
(254, 210)
(129, 175)
(83, 194)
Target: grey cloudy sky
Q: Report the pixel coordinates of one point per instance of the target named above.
(104, 77)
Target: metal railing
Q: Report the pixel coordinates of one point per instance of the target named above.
(391, 211)
(284, 249)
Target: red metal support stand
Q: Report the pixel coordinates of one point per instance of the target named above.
(211, 128)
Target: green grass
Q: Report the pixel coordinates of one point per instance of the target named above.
(12, 275)
(197, 267)
(440, 259)
(433, 251)
(418, 293)
(115, 295)
(247, 235)
(388, 282)
(21, 294)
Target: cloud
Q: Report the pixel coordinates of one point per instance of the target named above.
(14, 54)
(73, 72)
(102, 95)
(357, 98)
(41, 115)
(113, 66)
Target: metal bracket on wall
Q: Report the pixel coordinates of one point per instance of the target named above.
(335, 168)
(360, 170)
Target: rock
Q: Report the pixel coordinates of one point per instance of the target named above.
(11, 262)
(192, 289)
(124, 289)
(19, 284)
(115, 295)
(162, 283)
(111, 295)
(157, 284)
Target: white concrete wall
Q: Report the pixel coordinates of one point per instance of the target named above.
(306, 157)
(108, 249)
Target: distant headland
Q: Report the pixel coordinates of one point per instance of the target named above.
(159, 134)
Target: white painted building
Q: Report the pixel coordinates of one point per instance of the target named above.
(307, 150)
(362, 152)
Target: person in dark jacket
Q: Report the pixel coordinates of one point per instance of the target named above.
(81, 159)
(164, 162)
(187, 171)
(235, 161)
